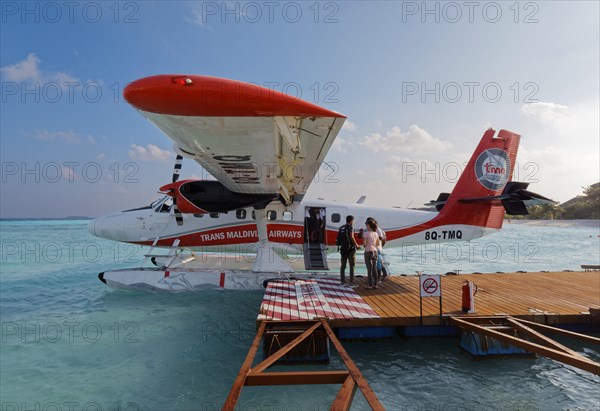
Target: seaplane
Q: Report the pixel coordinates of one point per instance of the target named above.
(251, 223)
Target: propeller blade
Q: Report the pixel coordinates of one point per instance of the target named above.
(177, 168)
(177, 213)
(176, 171)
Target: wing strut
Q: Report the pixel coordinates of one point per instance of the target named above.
(288, 129)
(267, 260)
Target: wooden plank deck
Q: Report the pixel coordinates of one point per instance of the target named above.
(550, 298)
(561, 297)
(286, 300)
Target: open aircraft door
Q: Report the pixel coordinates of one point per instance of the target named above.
(315, 238)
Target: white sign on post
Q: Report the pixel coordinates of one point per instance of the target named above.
(430, 285)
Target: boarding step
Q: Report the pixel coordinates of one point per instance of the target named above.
(171, 255)
(315, 257)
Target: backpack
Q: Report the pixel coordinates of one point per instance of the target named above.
(343, 239)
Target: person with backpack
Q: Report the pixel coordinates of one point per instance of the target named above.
(347, 247)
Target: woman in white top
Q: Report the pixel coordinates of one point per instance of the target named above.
(381, 269)
(371, 243)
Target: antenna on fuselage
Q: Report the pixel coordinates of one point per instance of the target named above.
(361, 200)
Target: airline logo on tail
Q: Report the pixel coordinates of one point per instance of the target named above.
(492, 168)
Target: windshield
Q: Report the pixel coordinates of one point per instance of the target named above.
(166, 200)
(164, 205)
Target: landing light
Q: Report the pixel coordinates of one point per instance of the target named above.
(184, 81)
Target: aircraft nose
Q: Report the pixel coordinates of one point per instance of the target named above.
(110, 227)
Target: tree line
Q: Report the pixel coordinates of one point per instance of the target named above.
(583, 207)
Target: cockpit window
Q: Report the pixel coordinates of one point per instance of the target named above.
(156, 205)
(157, 202)
(165, 205)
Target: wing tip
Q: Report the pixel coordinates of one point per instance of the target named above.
(196, 95)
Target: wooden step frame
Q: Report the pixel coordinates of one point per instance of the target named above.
(351, 378)
(543, 346)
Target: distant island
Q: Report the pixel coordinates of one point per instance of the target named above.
(582, 207)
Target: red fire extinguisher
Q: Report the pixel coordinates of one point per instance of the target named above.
(469, 289)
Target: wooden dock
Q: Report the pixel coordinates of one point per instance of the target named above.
(543, 297)
(511, 310)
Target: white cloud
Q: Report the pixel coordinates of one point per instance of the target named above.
(349, 126)
(69, 174)
(25, 70)
(28, 70)
(578, 123)
(68, 136)
(560, 151)
(415, 141)
(342, 145)
(545, 113)
(396, 166)
(149, 153)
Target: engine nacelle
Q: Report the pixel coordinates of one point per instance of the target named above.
(204, 196)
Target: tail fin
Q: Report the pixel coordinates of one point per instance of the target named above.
(486, 174)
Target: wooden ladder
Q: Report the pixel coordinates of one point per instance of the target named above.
(351, 378)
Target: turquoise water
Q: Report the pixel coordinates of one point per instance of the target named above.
(71, 343)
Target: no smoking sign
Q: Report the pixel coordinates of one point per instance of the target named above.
(430, 285)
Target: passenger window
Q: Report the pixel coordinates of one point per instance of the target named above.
(214, 215)
(272, 215)
(240, 214)
(254, 214)
(198, 215)
(335, 218)
(287, 216)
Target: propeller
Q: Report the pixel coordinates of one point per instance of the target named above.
(177, 168)
(176, 171)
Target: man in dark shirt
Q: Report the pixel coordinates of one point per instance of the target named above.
(347, 246)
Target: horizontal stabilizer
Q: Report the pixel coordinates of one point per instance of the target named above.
(439, 203)
(515, 207)
(515, 198)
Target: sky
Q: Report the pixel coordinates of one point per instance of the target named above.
(419, 83)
